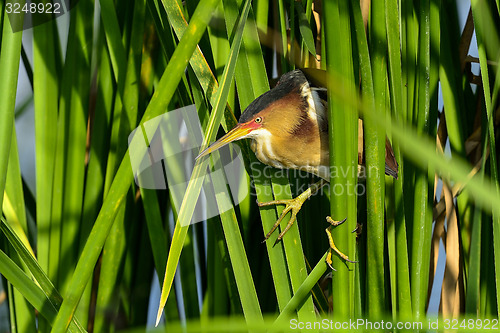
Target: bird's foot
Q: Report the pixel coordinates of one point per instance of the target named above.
(291, 205)
(358, 230)
(332, 244)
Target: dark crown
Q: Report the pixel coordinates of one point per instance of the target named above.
(291, 81)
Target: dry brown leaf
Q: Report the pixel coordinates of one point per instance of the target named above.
(450, 297)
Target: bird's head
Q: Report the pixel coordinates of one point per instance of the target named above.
(273, 114)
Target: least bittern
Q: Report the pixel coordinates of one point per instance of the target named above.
(288, 126)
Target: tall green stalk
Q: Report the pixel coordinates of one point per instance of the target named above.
(402, 291)
(374, 89)
(421, 213)
(343, 128)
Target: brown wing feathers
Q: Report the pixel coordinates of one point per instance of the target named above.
(391, 166)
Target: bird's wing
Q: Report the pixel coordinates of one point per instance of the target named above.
(391, 166)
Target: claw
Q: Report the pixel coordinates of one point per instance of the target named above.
(292, 205)
(333, 222)
(332, 244)
(329, 259)
(358, 230)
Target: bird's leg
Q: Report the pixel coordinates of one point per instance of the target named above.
(332, 244)
(292, 205)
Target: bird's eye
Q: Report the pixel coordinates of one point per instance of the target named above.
(258, 120)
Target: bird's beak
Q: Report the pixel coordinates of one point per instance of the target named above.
(237, 133)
